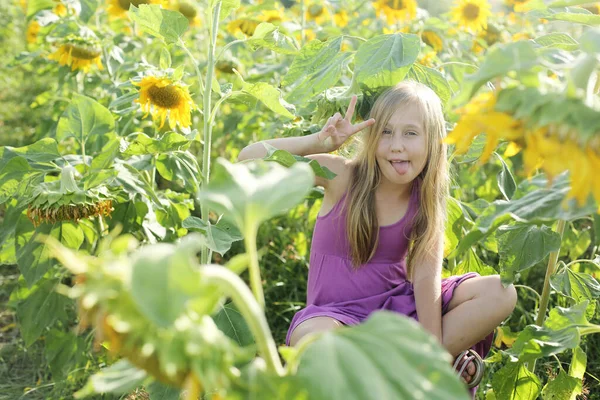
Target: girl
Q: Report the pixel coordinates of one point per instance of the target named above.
(378, 240)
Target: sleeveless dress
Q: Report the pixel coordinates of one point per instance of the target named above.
(336, 290)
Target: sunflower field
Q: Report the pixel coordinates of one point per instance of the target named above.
(140, 260)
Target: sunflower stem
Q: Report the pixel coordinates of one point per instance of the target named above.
(214, 26)
(254, 268)
(552, 260)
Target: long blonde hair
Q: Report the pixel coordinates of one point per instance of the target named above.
(361, 220)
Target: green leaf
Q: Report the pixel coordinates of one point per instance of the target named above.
(522, 246)
(558, 40)
(514, 381)
(35, 6)
(84, 119)
(253, 192)
(107, 156)
(144, 144)
(567, 3)
(433, 79)
(506, 181)
(179, 166)
(159, 391)
(317, 67)
(14, 178)
(88, 8)
(288, 159)
(268, 35)
(269, 96)
(516, 56)
(561, 387)
(586, 19)
(120, 378)
(165, 58)
(158, 22)
(389, 356)
(227, 7)
(386, 59)
(40, 309)
(64, 352)
(578, 363)
(597, 229)
(576, 285)
(219, 237)
(33, 255)
(229, 320)
(134, 183)
(42, 151)
(590, 41)
(453, 227)
(472, 263)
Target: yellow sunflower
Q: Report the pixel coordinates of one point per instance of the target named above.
(78, 54)
(160, 95)
(520, 5)
(59, 9)
(433, 40)
(427, 58)
(317, 12)
(190, 12)
(341, 18)
(245, 25)
(396, 10)
(118, 8)
(32, 31)
(471, 15)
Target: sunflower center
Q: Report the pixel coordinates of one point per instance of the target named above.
(126, 3)
(166, 97)
(188, 10)
(471, 11)
(396, 4)
(82, 53)
(315, 10)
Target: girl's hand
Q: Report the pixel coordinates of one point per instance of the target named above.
(337, 129)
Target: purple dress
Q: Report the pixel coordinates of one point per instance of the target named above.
(336, 290)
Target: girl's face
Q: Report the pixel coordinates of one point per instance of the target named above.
(402, 149)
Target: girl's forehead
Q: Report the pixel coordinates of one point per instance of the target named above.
(407, 114)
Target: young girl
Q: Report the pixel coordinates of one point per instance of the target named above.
(378, 240)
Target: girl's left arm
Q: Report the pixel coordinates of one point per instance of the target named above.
(427, 283)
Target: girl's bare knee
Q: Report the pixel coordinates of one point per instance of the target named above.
(311, 325)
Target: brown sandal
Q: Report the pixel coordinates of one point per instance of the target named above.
(479, 366)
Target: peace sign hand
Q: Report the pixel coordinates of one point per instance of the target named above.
(337, 129)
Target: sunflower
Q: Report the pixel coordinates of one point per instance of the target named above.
(160, 95)
(341, 18)
(119, 8)
(471, 15)
(396, 10)
(433, 40)
(427, 58)
(245, 25)
(190, 12)
(59, 9)
(32, 31)
(520, 5)
(317, 12)
(78, 54)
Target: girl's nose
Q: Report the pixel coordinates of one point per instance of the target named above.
(397, 143)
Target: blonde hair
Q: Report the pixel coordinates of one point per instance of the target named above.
(361, 219)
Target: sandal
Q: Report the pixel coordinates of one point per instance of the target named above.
(479, 366)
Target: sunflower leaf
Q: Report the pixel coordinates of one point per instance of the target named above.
(164, 24)
(84, 119)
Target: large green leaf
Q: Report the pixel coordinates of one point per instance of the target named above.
(14, 178)
(506, 181)
(179, 166)
(269, 95)
(119, 378)
(219, 237)
(159, 391)
(472, 263)
(64, 352)
(432, 78)
(386, 59)
(388, 357)
(164, 24)
(253, 192)
(85, 119)
(33, 255)
(144, 144)
(453, 226)
(317, 67)
(586, 19)
(523, 246)
(40, 309)
(576, 285)
(288, 159)
(515, 381)
(562, 387)
(558, 40)
(227, 7)
(88, 8)
(268, 35)
(232, 323)
(42, 151)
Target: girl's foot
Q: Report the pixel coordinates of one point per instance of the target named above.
(469, 366)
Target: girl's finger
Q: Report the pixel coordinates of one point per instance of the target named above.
(363, 125)
(350, 111)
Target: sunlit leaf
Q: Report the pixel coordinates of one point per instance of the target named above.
(165, 24)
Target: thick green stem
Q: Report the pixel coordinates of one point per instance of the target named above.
(205, 256)
(254, 268)
(234, 287)
(552, 260)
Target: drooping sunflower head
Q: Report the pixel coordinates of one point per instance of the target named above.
(433, 40)
(318, 12)
(396, 10)
(190, 12)
(471, 15)
(163, 97)
(118, 8)
(78, 53)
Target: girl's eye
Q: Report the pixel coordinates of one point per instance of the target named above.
(412, 133)
(387, 132)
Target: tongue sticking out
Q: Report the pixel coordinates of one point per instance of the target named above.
(401, 167)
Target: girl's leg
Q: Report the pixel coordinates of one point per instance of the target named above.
(477, 307)
(315, 324)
